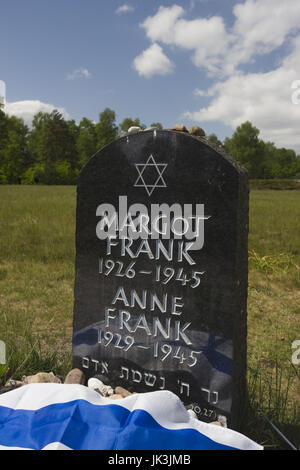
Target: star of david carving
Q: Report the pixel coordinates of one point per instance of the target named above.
(150, 175)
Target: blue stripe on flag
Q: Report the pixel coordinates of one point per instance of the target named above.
(80, 425)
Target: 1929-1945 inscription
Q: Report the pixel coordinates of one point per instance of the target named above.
(161, 270)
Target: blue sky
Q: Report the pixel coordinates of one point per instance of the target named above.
(213, 63)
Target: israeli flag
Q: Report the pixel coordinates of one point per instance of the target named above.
(73, 417)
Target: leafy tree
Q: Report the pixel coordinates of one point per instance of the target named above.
(52, 141)
(55, 149)
(34, 174)
(128, 122)
(15, 154)
(295, 167)
(65, 173)
(247, 148)
(58, 145)
(268, 160)
(3, 142)
(86, 142)
(74, 131)
(284, 163)
(157, 124)
(214, 140)
(106, 128)
(36, 137)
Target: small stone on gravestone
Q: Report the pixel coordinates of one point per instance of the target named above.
(179, 128)
(196, 131)
(161, 270)
(134, 129)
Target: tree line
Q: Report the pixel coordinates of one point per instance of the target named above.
(263, 160)
(54, 150)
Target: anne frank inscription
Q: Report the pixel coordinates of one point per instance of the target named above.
(161, 270)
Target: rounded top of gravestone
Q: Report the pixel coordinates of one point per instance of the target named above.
(152, 128)
(189, 160)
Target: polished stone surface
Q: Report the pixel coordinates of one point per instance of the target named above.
(155, 314)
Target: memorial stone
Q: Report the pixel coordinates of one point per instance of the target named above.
(161, 270)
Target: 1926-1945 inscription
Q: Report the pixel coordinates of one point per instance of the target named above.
(161, 270)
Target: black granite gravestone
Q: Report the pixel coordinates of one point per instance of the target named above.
(161, 270)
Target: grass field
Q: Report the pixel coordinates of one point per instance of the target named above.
(37, 254)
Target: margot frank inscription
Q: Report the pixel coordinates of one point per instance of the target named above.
(161, 270)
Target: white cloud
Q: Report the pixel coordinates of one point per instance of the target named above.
(260, 26)
(266, 22)
(161, 26)
(153, 61)
(200, 92)
(206, 38)
(27, 109)
(79, 73)
(265, 99)
(124, 9)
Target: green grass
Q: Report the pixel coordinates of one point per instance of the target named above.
(37, 255)
(274, 310)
